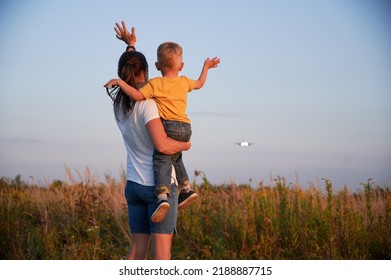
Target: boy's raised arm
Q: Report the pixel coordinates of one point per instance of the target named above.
(209, 63)
(127, 89)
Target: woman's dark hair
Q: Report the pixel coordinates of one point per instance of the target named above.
(130, 65)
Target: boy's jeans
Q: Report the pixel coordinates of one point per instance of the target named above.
(163, 163)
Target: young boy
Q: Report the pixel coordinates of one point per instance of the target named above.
(170, 94)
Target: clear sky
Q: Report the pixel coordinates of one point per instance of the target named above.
(307, 81)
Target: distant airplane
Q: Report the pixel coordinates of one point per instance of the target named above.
(244, 143)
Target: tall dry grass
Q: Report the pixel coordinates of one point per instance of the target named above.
(286, 221)
(78, 219)
(85, 219)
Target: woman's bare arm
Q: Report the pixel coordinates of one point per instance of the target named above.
(162, 143)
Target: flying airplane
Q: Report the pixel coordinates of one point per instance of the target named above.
(244, 143)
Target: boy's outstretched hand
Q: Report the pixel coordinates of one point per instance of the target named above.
(212, 63)
(112, 83)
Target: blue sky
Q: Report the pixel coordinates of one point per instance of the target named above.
(307, 81)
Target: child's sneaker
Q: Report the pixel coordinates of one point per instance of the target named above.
(161, 210)
(186, 197)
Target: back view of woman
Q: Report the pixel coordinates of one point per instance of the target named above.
(142, 131)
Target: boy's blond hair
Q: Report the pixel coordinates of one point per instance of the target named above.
(169, 54)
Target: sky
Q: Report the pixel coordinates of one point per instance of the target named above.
(307, 82)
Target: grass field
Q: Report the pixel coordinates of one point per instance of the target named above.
(87, 219)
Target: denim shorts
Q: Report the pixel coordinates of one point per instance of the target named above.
(141, 205)
(163, 163)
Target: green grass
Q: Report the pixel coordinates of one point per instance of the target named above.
(86, 219)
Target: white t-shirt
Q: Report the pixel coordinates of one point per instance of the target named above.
(137, 142)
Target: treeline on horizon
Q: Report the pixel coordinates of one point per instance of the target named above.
(87, 219)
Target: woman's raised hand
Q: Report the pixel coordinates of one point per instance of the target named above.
(124, 35)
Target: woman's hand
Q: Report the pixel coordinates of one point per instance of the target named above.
(124, 35)
(186, 146)
(162, 143)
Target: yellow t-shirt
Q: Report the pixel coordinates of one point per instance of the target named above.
(170, 95)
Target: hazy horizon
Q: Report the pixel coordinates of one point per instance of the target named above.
(307, 81)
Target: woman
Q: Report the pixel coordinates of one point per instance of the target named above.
(142, 131)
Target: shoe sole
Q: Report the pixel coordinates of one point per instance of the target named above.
(160, 213)
(187, 201)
